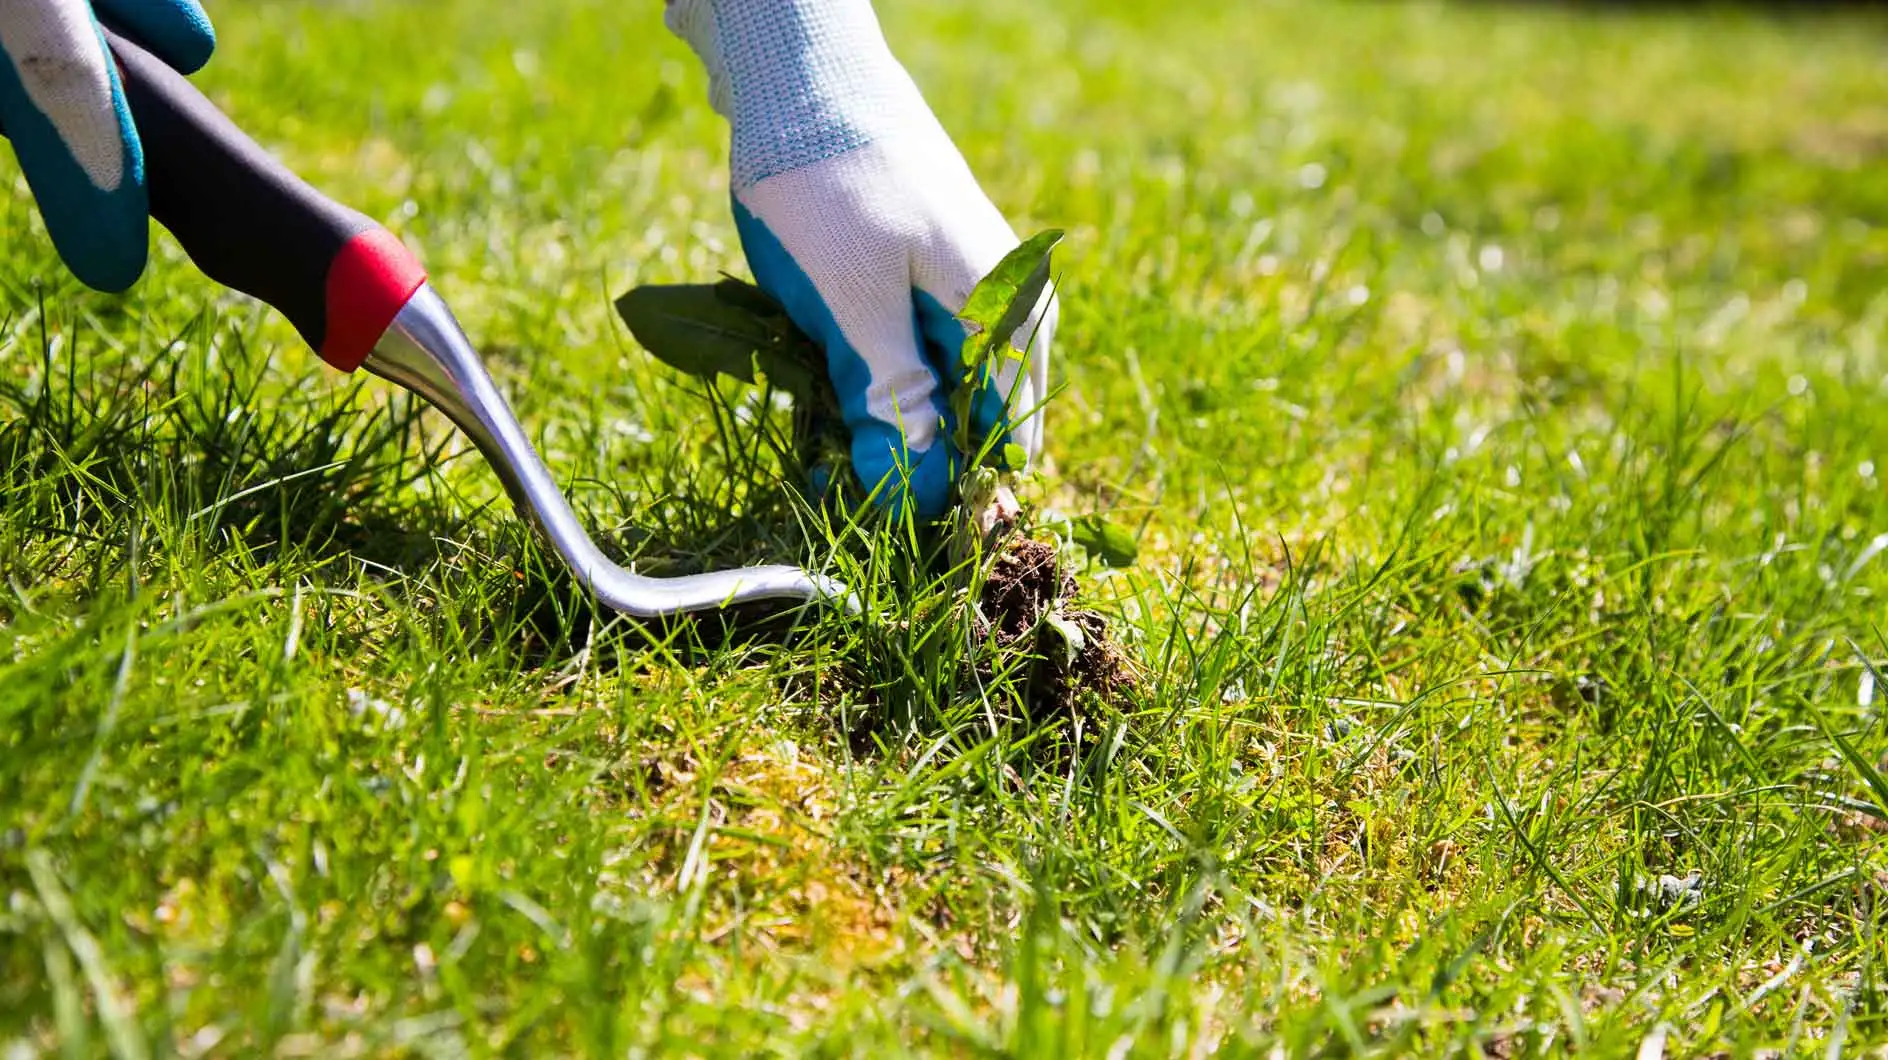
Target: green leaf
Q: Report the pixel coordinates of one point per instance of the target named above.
(997, 307)
(728, 328)
(1111, 544)
(1073, 639)
(1002, 301)
(1014, 456)
(693, 329)
(744, 295)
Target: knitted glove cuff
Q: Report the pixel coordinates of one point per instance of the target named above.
(799, 81)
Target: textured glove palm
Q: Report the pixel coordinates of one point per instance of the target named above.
(858, 212)
(63, 108)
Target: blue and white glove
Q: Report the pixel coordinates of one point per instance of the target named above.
(63, 108)
(860, 215)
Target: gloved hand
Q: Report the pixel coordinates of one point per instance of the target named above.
(63, 108)
(860, 215)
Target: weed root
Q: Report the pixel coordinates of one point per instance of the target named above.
(1029, 602)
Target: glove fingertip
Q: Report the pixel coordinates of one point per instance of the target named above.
(102, 233)
(177, 31)
(930, 484)
(104, 240)
(191, 52)
(899, 480)
(112, 271)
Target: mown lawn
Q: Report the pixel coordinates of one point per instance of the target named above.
(1497, 393)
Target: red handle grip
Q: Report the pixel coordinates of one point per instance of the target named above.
(370, 280)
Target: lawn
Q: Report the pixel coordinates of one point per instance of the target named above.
(1495, 392)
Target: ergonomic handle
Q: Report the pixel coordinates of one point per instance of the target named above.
(251, 224)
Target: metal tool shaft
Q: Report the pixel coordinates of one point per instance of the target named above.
(427, 352)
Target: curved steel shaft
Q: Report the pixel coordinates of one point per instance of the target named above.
(428, 353)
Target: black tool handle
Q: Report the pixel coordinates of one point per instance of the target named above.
(251, 224)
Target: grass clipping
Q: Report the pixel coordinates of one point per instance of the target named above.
(1027, 601)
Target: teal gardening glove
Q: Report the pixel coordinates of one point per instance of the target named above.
(63, 108)
(860, 215)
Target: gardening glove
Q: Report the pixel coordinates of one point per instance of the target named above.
(860, 215)
(63, 108)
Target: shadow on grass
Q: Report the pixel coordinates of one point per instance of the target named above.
(91, 445)
(99, 451)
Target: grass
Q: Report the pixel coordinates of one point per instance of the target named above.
(1495, 392)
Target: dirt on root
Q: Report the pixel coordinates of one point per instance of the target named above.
(1027, 586)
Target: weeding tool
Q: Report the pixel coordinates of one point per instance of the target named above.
(361, 300)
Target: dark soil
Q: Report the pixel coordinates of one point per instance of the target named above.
(1026, 585)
